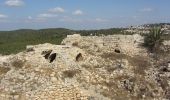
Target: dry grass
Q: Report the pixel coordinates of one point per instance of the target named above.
(3, 70)
(47, 71)
(110, 69)
(140, 64)
(113, 92)
(164, 83)
(75, 44)
(113, 56)
(86, 66)
(18, 63)
(70, 73)
(27, 66)
(122, 77)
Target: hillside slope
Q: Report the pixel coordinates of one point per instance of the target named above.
(16, 41)
(85, 68)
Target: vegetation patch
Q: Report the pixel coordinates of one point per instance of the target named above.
(18, 63)
(113, 56)
(16, 41)
(3, 70)
(75, 44)
(110, 69)
(70, 73)
(154, 39)
(46, 71)
(140, 64)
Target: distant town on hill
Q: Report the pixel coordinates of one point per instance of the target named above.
(16, 40)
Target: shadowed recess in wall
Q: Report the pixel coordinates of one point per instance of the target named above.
(52, 57)
(46, 53)
(79, 57)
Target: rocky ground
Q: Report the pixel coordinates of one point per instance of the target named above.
(86, 68)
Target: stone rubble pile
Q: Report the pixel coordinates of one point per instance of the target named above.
(84, 68)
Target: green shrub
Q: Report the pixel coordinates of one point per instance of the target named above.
(154, 39)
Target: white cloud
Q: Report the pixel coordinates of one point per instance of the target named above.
(46, 15)
(30, 17)
(40, 18)
(70, 20)
(57, 10)
(78, 12)
(146, 10)
(14, 3)
(2, 16)
(135, 17)
(100, 20)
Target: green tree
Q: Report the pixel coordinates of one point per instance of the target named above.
(154, 39)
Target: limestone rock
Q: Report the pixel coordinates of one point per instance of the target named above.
(111, 67)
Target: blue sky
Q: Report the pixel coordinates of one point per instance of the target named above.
(81, 14)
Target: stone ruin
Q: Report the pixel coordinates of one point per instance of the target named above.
(127, 44)
(114, 67)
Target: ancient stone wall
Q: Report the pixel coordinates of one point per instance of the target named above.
(127, 44)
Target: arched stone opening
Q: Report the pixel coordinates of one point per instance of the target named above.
(46, 53)
(52, 57)
(117, 51)
(79, 57)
